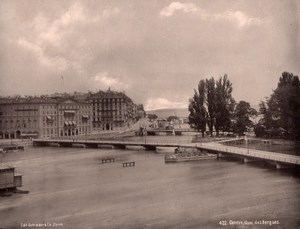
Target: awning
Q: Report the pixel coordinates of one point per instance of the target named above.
(66, 123)
(74, 123)
(48, 117)
(85, 116)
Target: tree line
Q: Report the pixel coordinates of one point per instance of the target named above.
(212, 106)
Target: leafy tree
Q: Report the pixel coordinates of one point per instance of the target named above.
(198, 114)
(172, 118)
(224, 104)
(287, 97)
(242, 117)
(282, 109)
(211, 103)
(152, 117)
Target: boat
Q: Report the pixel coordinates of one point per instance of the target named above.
(184, 155)
(9, 179)
(11, 148)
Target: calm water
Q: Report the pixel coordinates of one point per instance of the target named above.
(70, 187)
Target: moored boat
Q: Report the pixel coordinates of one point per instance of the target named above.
(184, 155)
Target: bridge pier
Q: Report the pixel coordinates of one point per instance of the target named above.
(281, 166)
(248, 160)
(79, 145)
(91, 145)
(220, 155)
(119, 146)
(40, 144)
(149, 147)
(65, 144)
(105, 146)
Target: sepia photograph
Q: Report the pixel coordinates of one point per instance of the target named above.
(149, 114)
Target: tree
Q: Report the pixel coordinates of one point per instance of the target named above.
(287, 97)
(242, 117)
(152, 117)
(224, 104)
(211, 103)
(172, 118)
(198, 114)
(282, 109)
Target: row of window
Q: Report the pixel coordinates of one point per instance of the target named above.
(17, 121)
(108, 125)
(108, 100)
(18, 125)
(67, 107)
(115, 118)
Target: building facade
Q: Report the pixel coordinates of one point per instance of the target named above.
(75, 118)
(44, 117)
(112, 110)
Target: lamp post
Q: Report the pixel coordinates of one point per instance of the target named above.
(11, 127)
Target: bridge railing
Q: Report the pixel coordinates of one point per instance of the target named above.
(256, 153)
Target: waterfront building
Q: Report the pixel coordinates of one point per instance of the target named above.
(75, 118)
(44, 117)
(112, 110)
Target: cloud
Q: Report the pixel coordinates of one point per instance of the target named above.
(57, 62)
(110, 12)
(237, 17)
(49, 39)
(106, 81)
(74, 14)
(161, 103)
(54, 31)
(177, 6)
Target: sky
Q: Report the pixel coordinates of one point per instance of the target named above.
(155, 51)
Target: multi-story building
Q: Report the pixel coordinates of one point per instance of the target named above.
(75, 118)
(44, 117)
(112, 110)
(63, 115)
(19, 116)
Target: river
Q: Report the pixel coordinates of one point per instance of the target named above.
(70, 188)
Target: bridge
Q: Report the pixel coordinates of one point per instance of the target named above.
(177, 131)
(99, 143)
(248, 155)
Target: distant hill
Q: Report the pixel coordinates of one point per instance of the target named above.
(164, 113)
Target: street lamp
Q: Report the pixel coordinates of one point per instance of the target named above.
(11, 127)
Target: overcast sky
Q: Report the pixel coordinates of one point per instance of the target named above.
(156, 51)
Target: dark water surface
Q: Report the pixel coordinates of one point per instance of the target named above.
(70, 187)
